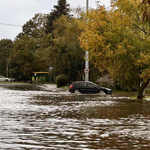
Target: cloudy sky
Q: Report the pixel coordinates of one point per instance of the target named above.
(15, 13)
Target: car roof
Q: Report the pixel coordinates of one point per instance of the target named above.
(84, 82)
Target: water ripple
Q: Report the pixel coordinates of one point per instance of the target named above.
(44, 120)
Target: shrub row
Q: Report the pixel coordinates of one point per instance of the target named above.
(61, 80)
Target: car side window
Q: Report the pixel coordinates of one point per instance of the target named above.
(90, 85)
(82, 84)
(76, 84)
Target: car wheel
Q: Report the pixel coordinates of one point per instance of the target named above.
(102, 92)
(76, 91)
(6, 80)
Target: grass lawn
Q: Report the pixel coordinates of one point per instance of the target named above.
(133, 95)
(118, 93)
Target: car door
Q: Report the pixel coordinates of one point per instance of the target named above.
(82, 87)
(1, 78)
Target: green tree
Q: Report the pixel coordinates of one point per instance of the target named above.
(6, 46)
(29, 48)
(36, 51)
(34, 27)
(61, 9)
(44, 53)
(23, 60)
(66, 54)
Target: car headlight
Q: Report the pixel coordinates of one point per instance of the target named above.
(108, 89)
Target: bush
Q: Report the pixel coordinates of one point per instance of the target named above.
(61, 80)
(41, 79)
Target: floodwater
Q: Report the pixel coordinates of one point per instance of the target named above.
(37, 118)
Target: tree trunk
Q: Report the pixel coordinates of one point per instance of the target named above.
(142, 87)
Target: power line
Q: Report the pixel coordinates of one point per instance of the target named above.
(5, 24)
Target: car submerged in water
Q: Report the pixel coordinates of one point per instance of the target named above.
(88, 87)
(4, 79)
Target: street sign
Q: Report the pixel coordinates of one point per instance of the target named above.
(86, 70)
(50, 68)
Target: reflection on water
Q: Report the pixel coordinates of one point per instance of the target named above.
(41, 120)
(21, 86)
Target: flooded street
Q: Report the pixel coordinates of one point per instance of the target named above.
(41, 118)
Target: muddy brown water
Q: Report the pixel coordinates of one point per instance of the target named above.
(31, 118)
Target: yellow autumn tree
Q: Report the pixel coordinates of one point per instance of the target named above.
(118, 40)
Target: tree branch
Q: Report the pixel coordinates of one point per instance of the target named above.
(143, 30)
(137, 14)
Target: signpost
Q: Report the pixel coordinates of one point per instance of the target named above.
(86, 70)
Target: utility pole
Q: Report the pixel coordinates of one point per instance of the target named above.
(86, 70)
(7, 67)
(6, 64)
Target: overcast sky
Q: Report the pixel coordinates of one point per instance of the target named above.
(18, 12)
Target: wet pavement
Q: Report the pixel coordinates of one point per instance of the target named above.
(36, 117)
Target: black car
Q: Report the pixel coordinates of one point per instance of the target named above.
(88, 87)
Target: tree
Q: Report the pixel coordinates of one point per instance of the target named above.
(66, 55)
(44, 52)
(61, 9)
(118, 40)
(34, 27)
(29, 48)
(23, 60)
(6, 46)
